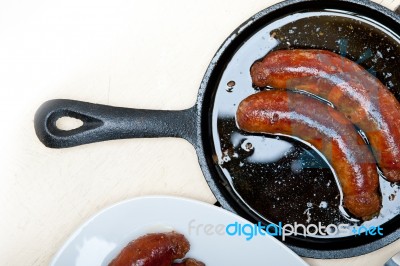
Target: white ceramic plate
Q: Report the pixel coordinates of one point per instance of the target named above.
(101, 238)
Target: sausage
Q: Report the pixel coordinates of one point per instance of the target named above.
(189, 262)
(361, 97)
(159, 249)
(294, 114)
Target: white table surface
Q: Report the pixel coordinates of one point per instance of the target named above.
(145, 54)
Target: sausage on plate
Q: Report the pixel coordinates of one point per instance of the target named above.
(158, 249)
(189, 262)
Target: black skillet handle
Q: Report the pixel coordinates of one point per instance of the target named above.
(103, 122)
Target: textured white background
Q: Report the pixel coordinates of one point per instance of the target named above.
(144, 54)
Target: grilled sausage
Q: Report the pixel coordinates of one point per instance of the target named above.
(159, 249)
(361, 97)
(294, 114)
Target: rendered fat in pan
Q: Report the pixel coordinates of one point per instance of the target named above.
(361, 97)
(327, 130)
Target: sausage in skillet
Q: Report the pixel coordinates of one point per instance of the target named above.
(294, 114)
(361, 97)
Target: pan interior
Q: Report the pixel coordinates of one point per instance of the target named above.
(280, 178)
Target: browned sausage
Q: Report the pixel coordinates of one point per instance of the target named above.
(159, 249)
(294, 114)
(189, 262)
(361, 97)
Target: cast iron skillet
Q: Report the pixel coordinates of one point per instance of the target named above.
(197, 124)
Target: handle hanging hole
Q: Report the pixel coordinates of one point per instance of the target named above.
(67, 123)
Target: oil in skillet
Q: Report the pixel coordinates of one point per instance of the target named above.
(281, 178)
(275, 173)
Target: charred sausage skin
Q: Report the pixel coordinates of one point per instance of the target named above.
(294, 114)
(361, 97)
